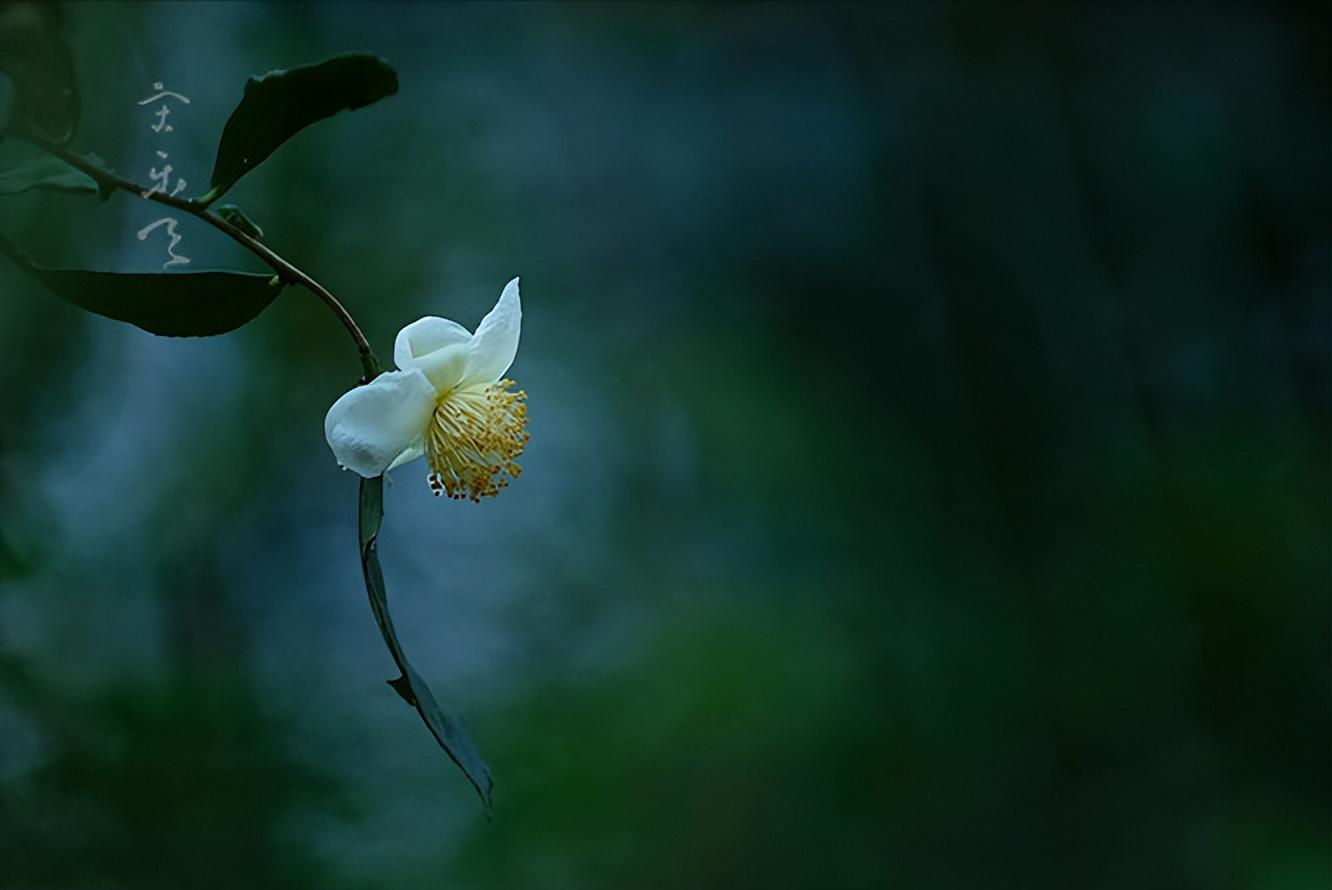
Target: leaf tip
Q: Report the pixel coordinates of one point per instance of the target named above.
(403, 687)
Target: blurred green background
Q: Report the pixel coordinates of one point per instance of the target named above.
(929, 478)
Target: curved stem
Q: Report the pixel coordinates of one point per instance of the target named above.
(287, 272)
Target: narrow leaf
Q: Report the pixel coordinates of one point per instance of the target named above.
(447, 728)
(177, 304)
(280, 104)
(45, 172)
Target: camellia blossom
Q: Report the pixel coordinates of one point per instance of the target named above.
(448, 400)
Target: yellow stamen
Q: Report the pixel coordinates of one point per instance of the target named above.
(476, 433)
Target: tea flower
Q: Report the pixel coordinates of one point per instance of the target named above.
(448, 400)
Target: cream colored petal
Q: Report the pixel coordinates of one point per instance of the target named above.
(495, 342)
(374, 425)
(424, 336)
(409, 455)
(444, 367)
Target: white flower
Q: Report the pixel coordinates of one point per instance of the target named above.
(447, 400)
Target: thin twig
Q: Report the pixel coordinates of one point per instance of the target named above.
(287, 272)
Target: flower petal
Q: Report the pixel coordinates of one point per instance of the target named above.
(374, 425)
(409, 455)
(424, 336)
(444, 367)
(495, 342)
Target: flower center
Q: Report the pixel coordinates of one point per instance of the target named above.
(475, 435)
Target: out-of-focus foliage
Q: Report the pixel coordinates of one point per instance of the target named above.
(929, 483)
(21, 170)
(36, 57)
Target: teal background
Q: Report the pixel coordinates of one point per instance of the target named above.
(928, 485)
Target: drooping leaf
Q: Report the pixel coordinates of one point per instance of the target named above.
(37, 58)
(44, 172)
(447, 728)
(280, 104)
(175, 304)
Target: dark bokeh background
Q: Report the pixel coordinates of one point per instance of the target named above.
(929, 482)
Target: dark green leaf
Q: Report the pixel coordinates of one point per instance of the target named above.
(177, 304)
(370, 513)
(447, 729)
(280, 104)
(44, 172)
(35, 55)
(234, 215)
